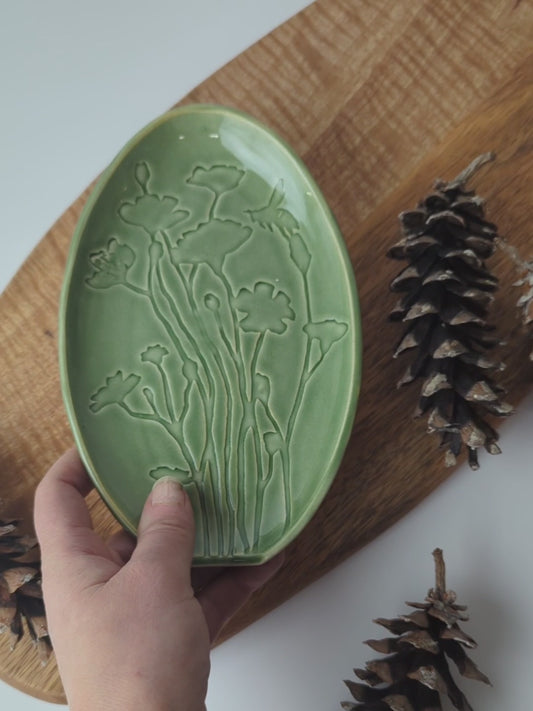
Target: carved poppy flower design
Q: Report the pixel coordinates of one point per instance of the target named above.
(218, 178)
(210, 243)
(261, 387)
(265, 311)
(273, 442)
(110, 265)
(326, 332)
(154, 354)
(190, 370)
(115, 390)
(212, 302)
(151, 211)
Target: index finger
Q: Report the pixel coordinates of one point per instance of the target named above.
(60, 506)
(224, 595)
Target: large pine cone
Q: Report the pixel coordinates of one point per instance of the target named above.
(416, 673)
(447, 291)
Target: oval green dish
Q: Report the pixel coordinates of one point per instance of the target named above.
(209, 331)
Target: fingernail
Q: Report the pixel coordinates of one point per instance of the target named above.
(167, 490)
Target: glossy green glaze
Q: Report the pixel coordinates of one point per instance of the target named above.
(210, 331)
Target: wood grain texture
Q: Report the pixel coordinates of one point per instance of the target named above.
(379, 99)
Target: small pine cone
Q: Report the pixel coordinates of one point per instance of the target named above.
(447, 291)
(525, 302)
(20, 590)
(415, 674)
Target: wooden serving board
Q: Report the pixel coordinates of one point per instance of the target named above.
(379, 99)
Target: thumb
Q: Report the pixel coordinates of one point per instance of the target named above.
(165, 535)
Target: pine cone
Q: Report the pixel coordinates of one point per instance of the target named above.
(20, 590)
(525, 302)
(447, 293)
(416, 672)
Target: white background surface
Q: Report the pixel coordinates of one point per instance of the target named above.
(77, 81)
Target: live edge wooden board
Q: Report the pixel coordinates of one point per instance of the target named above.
(378, 99)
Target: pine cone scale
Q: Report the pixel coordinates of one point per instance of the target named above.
(15, 578)
(464, 664)
(430, 677)
(384, 646)
(395, 702)
(422, 640)
(7, 528)
(8, 608)
(457, 635)
(433, 219)
(435, 383)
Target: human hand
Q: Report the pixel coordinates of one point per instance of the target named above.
(128, 630)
